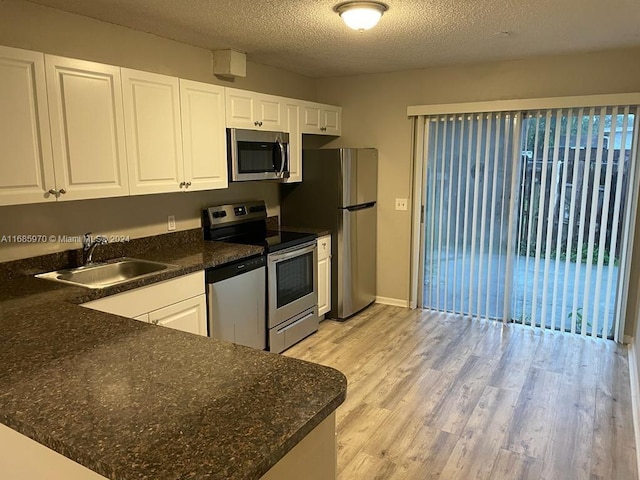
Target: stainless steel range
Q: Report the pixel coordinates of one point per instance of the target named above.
(291, 278)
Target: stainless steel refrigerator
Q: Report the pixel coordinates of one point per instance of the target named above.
(339, 193)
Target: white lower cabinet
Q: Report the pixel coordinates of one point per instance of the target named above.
(187, 316)
(179, 303)
(324, 274)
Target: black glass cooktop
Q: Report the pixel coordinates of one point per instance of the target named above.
(273, 240)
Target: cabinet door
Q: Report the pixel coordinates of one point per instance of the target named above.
(254, 111)
(311, 119)
(324, 290)
(153, 132)
(332, 120)
(295, 143)
(204, 143)
(140, 301)
(321, 119)
(239, 112)
(324, 274)
(270, 113)
(87, 129)
(26, 163)
(188, 316)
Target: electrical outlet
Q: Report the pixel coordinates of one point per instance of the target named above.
(171, 222)
(401, 203)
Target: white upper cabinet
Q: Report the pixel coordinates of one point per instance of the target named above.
(292, 111)
(254, 111)
(270, 112)
(153, 132)
(87, 129)
(204, 142)
(26, 163)
(321, 119)
(72, 129)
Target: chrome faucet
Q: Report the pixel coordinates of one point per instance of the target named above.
(89, 245)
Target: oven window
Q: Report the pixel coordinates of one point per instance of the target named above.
(258, 157)
(294, 279)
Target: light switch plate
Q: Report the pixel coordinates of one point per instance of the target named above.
(401, 203)
(171, 222)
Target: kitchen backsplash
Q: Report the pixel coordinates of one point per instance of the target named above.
(44, 228)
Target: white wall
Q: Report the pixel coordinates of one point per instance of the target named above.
(375, 114)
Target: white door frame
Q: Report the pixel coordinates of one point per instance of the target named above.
(418, 196)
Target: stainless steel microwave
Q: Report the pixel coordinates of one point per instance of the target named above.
(257, 155)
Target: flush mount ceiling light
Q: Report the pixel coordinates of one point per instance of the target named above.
(361, 15)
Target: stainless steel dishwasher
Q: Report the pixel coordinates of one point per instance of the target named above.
(236, 302)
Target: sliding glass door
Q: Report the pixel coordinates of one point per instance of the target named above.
(528, 216)
(468, 185)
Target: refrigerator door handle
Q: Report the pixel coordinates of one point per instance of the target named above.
(361, 207)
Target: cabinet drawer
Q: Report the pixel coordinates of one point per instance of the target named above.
(152, 297)
(281, 338)
(324, 247)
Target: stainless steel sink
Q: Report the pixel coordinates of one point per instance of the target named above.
(107, 274)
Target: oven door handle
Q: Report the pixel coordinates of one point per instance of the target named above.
(292, 252)
(296, 323)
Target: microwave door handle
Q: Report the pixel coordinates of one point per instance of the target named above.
(282, 157)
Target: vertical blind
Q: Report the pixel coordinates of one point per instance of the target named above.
(468, 190)
(528, 216)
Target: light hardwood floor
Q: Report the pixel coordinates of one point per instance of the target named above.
(432, 395)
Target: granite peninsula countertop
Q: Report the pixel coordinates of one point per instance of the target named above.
(132, 400)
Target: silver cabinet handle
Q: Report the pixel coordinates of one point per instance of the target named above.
(63, 191)
(155, 322)
(188, 184)
(182, 184)
(53, 192)
(257, 123)
(323, 129)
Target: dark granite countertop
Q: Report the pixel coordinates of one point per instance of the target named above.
(132, 400)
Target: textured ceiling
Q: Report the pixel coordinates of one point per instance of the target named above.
(307, 37)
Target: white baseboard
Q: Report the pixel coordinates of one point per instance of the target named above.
(396, 302)
(635, 396)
